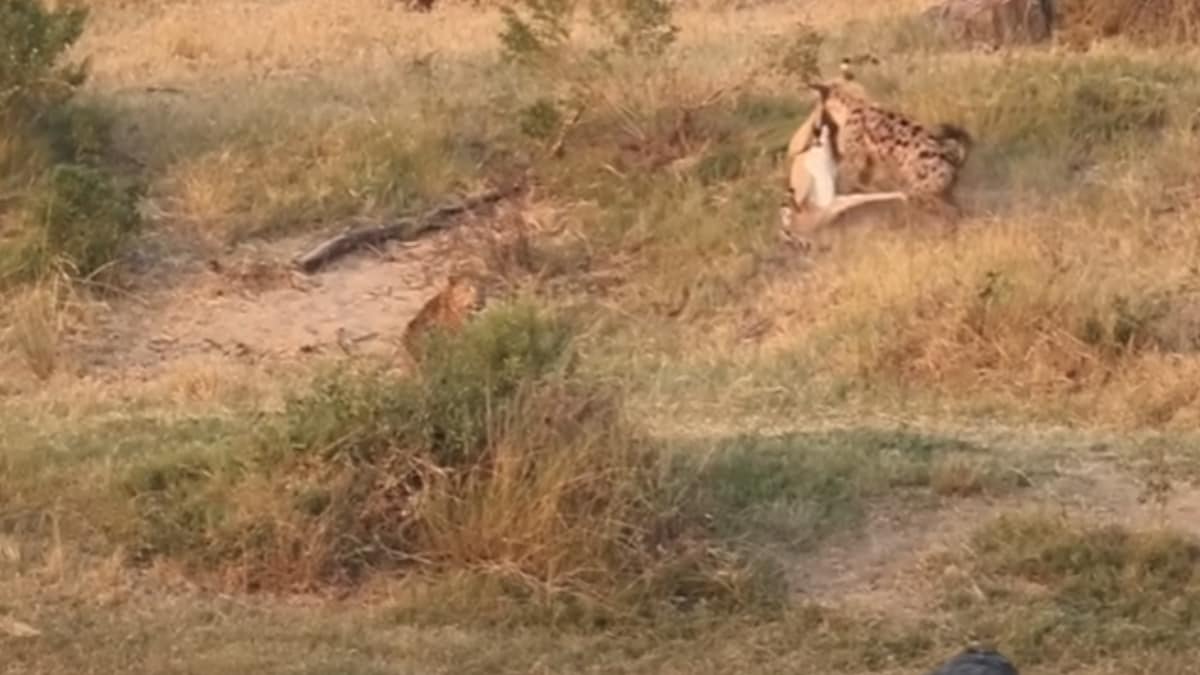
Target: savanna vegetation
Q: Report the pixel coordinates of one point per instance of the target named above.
(670, 443)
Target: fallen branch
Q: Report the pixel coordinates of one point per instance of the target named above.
(405, 228)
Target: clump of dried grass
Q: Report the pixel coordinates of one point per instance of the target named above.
(1151, 22)
(35, 319)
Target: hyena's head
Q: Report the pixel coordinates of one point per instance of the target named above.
(838, 99)
(839, 95)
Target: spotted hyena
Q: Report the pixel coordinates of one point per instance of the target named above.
(924, 161)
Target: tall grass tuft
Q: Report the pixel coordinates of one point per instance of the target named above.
(34, 320)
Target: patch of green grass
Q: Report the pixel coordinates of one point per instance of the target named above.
(84, 220)
(1038, 117)
(76, 489)
(1054, 589)
(796, 489)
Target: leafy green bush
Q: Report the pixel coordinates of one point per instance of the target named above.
(797, 53)
(473, 376)
(32, 80)
(536, 30)
(69, 212)
(86, 218)
(467, 383)
(538, 35)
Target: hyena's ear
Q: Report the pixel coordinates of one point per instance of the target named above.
(821, 88)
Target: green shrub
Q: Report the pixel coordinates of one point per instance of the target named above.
(537, 34)
(85, 218)
(467, 382)
(539, 30)
(70, 212)
(535, 29)
(32, 79)
(797, 53)
(473, 376)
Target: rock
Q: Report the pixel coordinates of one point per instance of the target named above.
(996, 23)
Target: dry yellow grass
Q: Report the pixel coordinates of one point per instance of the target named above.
(324, 115)
(1149, 22)
(1068, 297)
(1069, 291)
(35, 320)
(331, 100)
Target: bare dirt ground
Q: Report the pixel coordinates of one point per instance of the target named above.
(250, 307)
(892, 566)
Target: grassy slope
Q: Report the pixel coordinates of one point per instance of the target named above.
(1069, 300)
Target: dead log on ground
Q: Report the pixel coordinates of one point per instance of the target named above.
(405, 228)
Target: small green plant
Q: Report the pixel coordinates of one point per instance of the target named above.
(536, 29)
(537, 34)
(640, 28)
(85, 217)
(541, 119)
(32, 77)
(797, 54)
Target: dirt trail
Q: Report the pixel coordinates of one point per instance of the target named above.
(250, 307)
(893, 565)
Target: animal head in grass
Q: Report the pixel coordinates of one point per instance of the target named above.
(454, 305)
